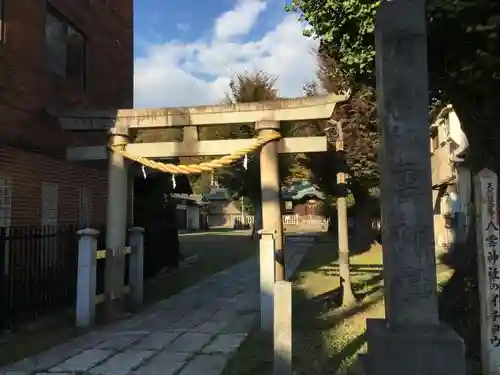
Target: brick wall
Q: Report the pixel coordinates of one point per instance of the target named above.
(30, 95)
(29, 91)
(27, 171)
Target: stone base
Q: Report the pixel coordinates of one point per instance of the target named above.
(429, 350)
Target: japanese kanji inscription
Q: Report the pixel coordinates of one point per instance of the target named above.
(486, 191)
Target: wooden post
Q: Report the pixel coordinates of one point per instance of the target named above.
(342, 227)
(486, 203)
(271, 199)
(116, 225)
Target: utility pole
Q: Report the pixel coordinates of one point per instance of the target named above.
(343, 236)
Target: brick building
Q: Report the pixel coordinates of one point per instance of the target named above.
(58, 55)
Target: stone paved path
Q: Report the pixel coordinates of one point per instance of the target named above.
(192, 333)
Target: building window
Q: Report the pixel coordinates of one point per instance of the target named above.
(50, 202)
(5, 202)
(85, 207)
(2, 20)
(65, 49)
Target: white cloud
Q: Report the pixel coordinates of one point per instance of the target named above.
(182, 26)
(176, 74)
(240, 20)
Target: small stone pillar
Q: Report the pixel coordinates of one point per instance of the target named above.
(282, 341)
(136, 269)
(267, 276)
(86, 277)
(271, 200)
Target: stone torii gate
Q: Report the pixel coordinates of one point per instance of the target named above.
(267, 117)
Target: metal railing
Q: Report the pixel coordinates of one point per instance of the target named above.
(39, 265)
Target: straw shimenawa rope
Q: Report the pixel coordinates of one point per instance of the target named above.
(196, 168)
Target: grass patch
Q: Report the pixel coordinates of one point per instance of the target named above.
(215, 251)
(326, 338)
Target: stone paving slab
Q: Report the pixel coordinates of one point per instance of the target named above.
(164, 363)
(210, 327)
(225, 343)
(206, 365)
(83, 361)
(121, 341)
(194, 332)
(122, 363)
(55, 355)
(241, 325)
(157, 340)
(191, 342)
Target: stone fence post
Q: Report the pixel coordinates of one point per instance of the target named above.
(136, 269)
(86, 277)
(267, 275)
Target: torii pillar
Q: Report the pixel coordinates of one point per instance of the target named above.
(270, 194)
(116, 224)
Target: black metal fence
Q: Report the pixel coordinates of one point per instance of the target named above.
(38, 266)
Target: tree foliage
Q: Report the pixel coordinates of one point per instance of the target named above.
(359, 124)
(464, 62)
(345, 28)
(464, 70)
(464, 56)
(245, 88)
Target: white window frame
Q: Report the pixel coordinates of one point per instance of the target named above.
(6, 212)
(84, 206)
(50, 203)
(5, 201)
(58, 31)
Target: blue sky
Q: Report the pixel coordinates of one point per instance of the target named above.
(187, 51)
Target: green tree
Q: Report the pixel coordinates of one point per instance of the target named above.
(200, 183)
(464, 58)
(361, 140)
(245, 88)
(357, 117)
(464, 70)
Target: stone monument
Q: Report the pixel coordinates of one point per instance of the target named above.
(488, 234)
(411, 340)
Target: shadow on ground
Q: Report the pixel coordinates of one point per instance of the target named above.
(323, 338)
(459, 300)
